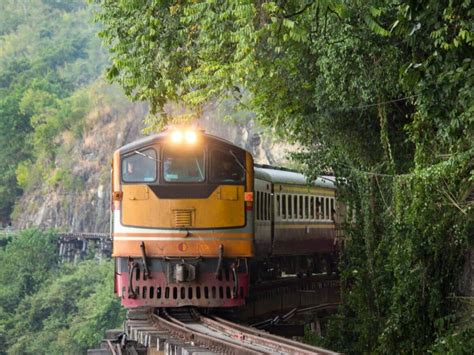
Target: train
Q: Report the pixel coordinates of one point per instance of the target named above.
(195, 222)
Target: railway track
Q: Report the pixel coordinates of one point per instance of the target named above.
(186, 331)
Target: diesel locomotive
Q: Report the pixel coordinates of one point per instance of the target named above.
(194, 221)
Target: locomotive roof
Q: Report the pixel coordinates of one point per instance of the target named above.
(284, 176)
(142, 142)
(263, 172)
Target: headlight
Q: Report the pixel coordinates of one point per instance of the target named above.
(191, 137)
(177, 137)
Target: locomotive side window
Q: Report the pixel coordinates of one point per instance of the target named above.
(140, 166)
(183, 166)
(226, 167)
(311, 206)
(283, 206)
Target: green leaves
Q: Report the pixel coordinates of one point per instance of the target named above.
(374, 25)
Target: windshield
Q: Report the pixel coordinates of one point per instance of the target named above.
(226, 167)
(140, 167)
(183, 166)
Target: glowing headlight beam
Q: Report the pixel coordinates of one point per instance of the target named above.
(177, 137)
(191, 137)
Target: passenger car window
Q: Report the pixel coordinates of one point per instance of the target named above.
(183, 166)
(269, 206)
(278, 205)
(290, 206)
(306, 207)
(226, 167)
(140, 166)
(295, 207)
(318, 208)
(301, 207)
(258, 203)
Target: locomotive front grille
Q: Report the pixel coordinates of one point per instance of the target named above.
(183, 218)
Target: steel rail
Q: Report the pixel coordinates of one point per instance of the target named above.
(244, 340)
(180, 329)
(216, 334)
(280, 344)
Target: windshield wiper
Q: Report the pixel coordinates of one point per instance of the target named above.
(238, 161)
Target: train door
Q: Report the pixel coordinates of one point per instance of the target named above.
(262, 215)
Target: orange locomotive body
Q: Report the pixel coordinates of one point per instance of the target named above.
(182, 221)
(185, 229)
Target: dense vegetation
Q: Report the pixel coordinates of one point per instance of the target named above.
(52, 308)
(380, 93)
(49, 59)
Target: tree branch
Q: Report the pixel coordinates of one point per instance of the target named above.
(299, 12)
